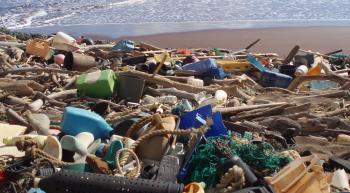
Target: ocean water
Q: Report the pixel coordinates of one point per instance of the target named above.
(142, 17)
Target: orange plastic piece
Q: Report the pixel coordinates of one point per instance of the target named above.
(184, 51)
(38, 47)
(193, 188)
(299, 178)
(316, 70)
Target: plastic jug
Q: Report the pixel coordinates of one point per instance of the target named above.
(202, 66)
(76, 120)
(99, 84)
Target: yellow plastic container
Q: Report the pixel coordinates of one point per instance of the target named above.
(234, 65)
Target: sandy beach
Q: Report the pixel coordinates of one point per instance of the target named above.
(279, 40)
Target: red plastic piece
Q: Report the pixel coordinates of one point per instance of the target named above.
(3, 176)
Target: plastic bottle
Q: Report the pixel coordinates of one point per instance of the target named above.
(301, 70)
(171, 100)
(195, 82)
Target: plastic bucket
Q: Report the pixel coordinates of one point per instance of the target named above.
(79, 62)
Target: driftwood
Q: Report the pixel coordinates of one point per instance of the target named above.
(63, 94)
(266, 113)
(37, 70)
(16, 117)
(335, 94)
(185, 87)
(175, 92)
(232, 110)
(20, 87)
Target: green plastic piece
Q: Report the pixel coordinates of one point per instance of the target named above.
(78, 167)
(111, 152)
(99, 84)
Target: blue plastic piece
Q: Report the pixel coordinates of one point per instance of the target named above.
(188, 120)
(124, 46)
(76, 120)
(35, 190)
(216, 73)
(196, 119)
(202, 66)
(275, 79)
(218, 128)
(256, 63)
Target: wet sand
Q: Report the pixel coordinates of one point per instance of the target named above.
(279, 40)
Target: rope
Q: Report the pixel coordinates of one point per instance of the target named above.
(30, 147)
(232, 180)
(143, 121)
(119, 170)
(118, 117)
(143, 138)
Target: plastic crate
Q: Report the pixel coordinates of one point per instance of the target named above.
(274, 79)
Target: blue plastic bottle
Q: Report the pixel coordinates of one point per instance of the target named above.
(76, 120)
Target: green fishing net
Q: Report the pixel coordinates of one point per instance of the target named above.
(205, 159)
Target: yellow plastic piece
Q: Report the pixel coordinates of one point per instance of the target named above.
(234, 65)
(39, 139)
(164, 57)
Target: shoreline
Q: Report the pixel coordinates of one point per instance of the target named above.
(279, 40)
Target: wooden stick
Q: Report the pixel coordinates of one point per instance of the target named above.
(336, 94)
(232, 110)
(161, 64)
(63, 94)
(266, 113)
(336, 112)
(291, 55)
(18, 118)
(37, 70)
(316, 53)
(252, 44)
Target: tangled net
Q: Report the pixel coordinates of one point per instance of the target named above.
(207, 156)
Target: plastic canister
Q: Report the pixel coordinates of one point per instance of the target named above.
(76, 120)
(301, 70)
(195, 82)
(98, 84)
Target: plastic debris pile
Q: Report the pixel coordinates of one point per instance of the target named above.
(85, 116)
